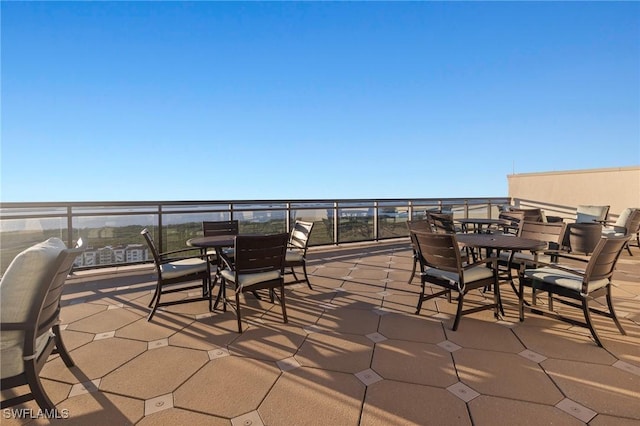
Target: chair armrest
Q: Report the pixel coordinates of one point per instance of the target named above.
(7, 326)
(563, 255)
(167, 258)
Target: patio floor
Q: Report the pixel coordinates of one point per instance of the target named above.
(353, 353)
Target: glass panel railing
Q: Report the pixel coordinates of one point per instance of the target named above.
(392, 222)
(112, 230)
(322, 219)
(355, 224)
(112, 240)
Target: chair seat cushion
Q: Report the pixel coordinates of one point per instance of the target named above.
(622, 219)
(180, 268)
(616, 231)
(564, 279)
(250, 279)
(294, 256)
(21, 282)
(12, 363)
(470, 275)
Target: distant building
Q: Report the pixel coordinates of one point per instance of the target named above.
(136, 253)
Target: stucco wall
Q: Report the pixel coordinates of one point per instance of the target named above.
(616, 187)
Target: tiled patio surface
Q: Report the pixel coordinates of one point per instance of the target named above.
(353, 353)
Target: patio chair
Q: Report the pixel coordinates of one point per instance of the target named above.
(569, 285)
(259, 264)
(30, 292)
(441, 264)
(176, 271)
(628, 223)
(584, 233)
(530, 215)
(550, 232)
(221, 227)
(515, 219)
(297, 249)
(416, 225)
(591, 214)
(441, 223)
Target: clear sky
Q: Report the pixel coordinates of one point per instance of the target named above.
(109, 101)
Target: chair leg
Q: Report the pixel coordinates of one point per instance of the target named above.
(61, 348)
(306, 277)
(420, 298)
(35, 385)
(628, 248)
(587, 318)
(413, 269)
(155, 295)
(614, 317)
(456, 322)
(238, 311)
(521, 300)
(284, 306)
(156, 300)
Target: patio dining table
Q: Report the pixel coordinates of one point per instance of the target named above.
(479, 225)
(499, 242)
(219, 243)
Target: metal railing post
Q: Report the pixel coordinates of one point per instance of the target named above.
(375, 221)
(70, 227)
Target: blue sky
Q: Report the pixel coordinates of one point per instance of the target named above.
(108, 101)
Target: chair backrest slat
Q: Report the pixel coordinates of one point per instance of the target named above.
(152, 248)
(516, 218)
(442, 223)
(262, 253)
(530, 215)
(222, 227)
(604, 258)
(419, 225)
(439, 251)
(50, 308)
(299, 236)
(551, 232)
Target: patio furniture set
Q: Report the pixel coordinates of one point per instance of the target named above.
(32, 286)
(543, 253)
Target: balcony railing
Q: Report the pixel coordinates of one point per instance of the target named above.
(111, 230)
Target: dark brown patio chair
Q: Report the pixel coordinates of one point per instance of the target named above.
(177, 270)
(441, 264)
(221, 227)
(441, 223)
(530, 215)
(30, 293)
(296, 255)
(628, 223)
(259, 264)
(416, 225)
(576, 287)
(514, 218)
(550, 232)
